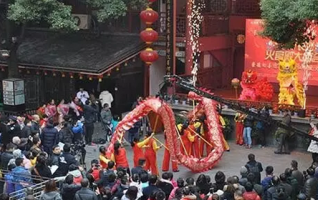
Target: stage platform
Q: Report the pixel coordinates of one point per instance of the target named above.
(312, 106)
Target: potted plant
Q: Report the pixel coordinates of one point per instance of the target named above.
(176, 99)
(184, 101)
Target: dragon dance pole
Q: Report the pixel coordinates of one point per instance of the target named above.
(201, 137)
(179, 138)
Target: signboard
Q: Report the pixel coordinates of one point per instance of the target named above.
(262, 54)
(13, 92)
(169, 37)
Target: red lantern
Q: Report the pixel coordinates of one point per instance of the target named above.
(149, 16)
(152, 1)
(149, 36)
(149, 56)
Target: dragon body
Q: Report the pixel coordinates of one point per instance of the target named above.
(254, 89)
(166, 115)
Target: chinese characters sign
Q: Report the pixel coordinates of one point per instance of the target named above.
(262, 55)
(169, 37)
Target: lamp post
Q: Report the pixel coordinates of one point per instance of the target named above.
(235, 83)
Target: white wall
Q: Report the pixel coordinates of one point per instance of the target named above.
(157, 71)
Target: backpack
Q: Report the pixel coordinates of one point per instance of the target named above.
(253, 168)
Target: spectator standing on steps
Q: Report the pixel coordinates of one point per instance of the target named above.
(82, 95)
(89, 120)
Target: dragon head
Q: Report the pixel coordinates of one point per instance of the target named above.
(249, 77)
(287, 67)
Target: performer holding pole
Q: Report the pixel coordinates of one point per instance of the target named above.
(166, 159)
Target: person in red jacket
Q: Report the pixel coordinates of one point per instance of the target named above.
(151, 149)
(250, 194)
(137, 148)
(166, 159)
(121, 157)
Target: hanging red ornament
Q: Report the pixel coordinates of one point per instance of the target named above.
(149, 16)
(149, 36)
(100, 78)
(152, 1)
(149, 56)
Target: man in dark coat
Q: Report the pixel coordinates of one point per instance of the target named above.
(89, 117)
(85, 192)
(65, 160)
(5, 137)
(147, 191)
(254, 167)
(282, 135)
(7, 156)
(14, 129)
(66, 135)
(49, 137)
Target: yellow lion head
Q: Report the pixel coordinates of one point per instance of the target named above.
(287, 67)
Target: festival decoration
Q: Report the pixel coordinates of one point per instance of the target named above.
(149, 36)
(289, 85)
(100, 78)
(254, 89)
(71, 75)
(166, 114)
(152, 1)
(63, 75)
(149, 16)
(149, 56)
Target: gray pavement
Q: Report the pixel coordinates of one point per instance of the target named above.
(230, 163)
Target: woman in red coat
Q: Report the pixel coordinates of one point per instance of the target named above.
(121, 157)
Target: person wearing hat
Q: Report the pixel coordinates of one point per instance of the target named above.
(13, 127)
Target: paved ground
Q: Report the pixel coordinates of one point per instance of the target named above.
(231, 161)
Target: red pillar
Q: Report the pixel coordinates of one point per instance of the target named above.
(146, 80)
(189, 51)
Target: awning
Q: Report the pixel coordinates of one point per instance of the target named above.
(74, 53)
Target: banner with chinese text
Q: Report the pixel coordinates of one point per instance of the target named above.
(262, 55)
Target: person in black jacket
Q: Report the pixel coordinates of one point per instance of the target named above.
(165, 184)
(66, 135)
(7, 156)
(14, 129)
(49, 137)
(5, 137)
(85, 193)
(247, 131)
(147, 191)
(41, 171)
(54, 158)
(65, 160)
(69, 189)
(89, 117)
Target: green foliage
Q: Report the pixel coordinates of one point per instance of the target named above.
(286, 20)
(106, 9)
(179, 119)
(58, 15)
(55, 13)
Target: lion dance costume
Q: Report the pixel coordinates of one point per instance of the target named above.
(289, 86)
(254, 89)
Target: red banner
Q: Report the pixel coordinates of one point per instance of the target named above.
(262, 54)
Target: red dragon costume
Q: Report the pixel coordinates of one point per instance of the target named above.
(254, 89)
(173, 144)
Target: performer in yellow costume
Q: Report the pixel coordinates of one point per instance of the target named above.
(289, 85)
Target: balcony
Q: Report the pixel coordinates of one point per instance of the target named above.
(160, 26)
